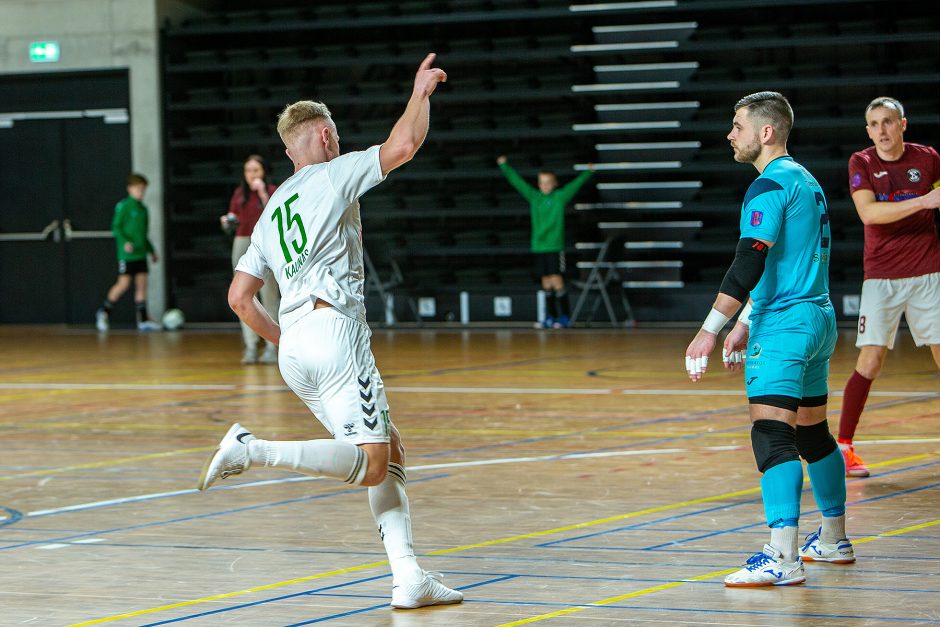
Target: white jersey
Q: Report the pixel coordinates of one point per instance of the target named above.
(310, 235)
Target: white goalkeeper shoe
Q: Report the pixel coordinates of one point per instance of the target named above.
(428, 591)
(230, 458)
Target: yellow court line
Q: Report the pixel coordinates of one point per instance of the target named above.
(901, 460)
(592, 523)
(466, 547)
(897, 532)
(112, 462)
(673, 584)
(622, 597)
(227, 595)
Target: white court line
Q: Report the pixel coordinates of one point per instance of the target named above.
(911, 441)
(112, 386)
(254, 484)
(434, 390)
(482, 462)
(449, 390)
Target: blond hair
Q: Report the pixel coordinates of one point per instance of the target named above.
(295, 116)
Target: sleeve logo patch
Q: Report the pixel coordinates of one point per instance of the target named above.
(856, 180)
(756, 218)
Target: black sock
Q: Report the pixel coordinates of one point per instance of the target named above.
(564, 307)
(551, 304)
(141, 310)
(107, 305)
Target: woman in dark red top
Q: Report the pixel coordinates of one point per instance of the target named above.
(244, 209)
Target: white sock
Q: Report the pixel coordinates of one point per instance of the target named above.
(340, 460)
(784, 539)
(389, 505)
(833, 529)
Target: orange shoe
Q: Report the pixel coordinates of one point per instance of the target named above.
(854, 466)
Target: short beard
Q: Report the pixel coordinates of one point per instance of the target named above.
(748, 154)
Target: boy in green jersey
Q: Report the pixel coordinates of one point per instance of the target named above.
(547, 209)
(130, 224)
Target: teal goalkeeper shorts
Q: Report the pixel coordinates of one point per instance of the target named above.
(788, 351)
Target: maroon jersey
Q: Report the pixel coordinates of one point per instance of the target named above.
(908, 247)
(247, 212)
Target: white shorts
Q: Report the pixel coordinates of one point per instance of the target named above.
(326, 359)
(883, 302)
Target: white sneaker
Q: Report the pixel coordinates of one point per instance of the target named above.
(428, 591)
(767, 568)
(230, 458)
(269, 356)
(148, 325)
(250, 356)
(102, 321)
(815, 550)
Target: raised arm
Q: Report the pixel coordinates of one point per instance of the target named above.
(528, 192)
(569, 190)
(412, 127)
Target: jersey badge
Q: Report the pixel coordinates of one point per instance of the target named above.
(913, 175)
(856, 180)
(756, 218)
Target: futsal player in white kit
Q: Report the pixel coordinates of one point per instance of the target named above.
(309, 235)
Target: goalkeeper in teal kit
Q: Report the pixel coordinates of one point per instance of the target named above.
(781, 266)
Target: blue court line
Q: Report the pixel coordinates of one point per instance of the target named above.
(685, 418)
(262, 602)
(647, 523)
(385, 605)
(201, 516)
(325, 592)
(709, 611)
(652, 421)
(732, 505)
(13, 516)
(632, 564)
(810, 512)
(317, 592)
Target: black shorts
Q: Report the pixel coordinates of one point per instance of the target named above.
(138, 266)
(550, 263)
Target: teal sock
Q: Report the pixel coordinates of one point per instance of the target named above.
(827, 477)
(780, 487)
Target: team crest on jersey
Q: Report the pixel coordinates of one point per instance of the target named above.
(756, 218)
(913, 175)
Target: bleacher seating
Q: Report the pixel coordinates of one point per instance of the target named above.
(644, 93)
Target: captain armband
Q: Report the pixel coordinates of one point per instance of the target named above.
(746, 269)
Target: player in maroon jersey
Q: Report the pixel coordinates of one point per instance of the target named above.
(894, 186)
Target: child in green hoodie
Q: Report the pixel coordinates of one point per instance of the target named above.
(547, 208)
(130, 224)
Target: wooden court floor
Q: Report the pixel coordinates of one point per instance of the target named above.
(556, 477)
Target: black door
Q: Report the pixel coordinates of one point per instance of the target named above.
(64, 158)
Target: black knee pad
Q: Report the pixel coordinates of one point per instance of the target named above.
(774, 443)
(815, 441)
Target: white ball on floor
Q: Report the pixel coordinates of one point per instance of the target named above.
(173, 319)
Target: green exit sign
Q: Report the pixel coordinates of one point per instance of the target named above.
(44, 51)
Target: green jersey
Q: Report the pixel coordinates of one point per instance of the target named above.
(130, 224)
(547, 210)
